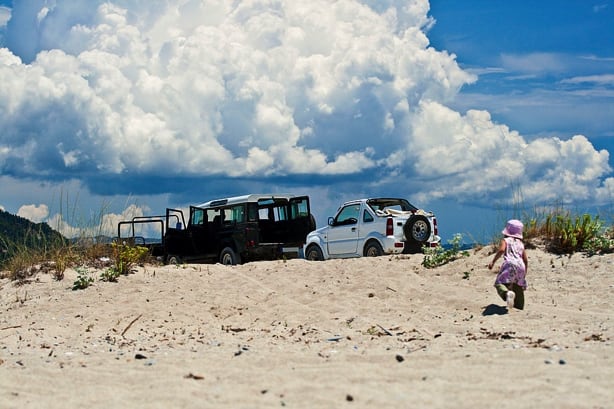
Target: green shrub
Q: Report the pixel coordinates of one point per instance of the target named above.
(600, 244)
(110, 275)
(84, 279)
(563, 232)
(127, 256)
(438, 256)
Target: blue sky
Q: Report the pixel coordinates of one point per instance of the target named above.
(554, 58)
(471, 109)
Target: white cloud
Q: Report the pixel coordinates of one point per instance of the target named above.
(156, 88)
(185, 89)
(533, 63)
(34, 213)
(470, 155)
(597, 58)
(5, 16)
(604, 79)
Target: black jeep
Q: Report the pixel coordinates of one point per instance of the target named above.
(233, 230)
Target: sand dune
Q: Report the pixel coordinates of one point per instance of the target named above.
(370, 332)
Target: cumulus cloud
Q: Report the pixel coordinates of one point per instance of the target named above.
(95, 89)
(471, 155)
(34, 213)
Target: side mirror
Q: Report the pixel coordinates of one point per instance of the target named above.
(331, 221)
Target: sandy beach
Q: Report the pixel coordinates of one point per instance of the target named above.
(372, 332)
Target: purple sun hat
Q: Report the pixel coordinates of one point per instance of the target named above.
(513, 228)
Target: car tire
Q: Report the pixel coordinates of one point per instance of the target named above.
(174, 260)
(417, 229)
(313, 253)
(373, 249)
(229, 257)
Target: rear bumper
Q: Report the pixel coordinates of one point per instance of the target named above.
(436, 242)
(391, 245)
(412, 248)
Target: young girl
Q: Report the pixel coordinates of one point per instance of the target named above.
(511, 281)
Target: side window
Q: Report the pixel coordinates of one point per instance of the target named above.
(299, 209)
(234, 214)
(252, 212)
(226, 215)
(238, 213)
(198, 217)
(280, 213)
(366, 216)
(273, 213)
(215, 215)
(348, 215)
(263, 214)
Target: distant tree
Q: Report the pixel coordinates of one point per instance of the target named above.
(18, 233)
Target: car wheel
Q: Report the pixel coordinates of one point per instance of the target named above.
(373, 249)
(175, 260)
(314, 253)
(229, 257)
(417, 229)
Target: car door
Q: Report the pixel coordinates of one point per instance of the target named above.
(344, 230)
(300, 222)
(202, 240)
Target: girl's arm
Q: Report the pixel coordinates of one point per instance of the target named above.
(498, 254)
(526, 261)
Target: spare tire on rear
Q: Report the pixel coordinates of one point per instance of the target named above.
(417, 229)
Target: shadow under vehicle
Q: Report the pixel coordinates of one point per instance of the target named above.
(230, 231)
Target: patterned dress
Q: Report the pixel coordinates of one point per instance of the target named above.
(513, 269)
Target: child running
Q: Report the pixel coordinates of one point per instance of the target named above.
(511, 280)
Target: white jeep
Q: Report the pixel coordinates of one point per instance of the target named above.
(373, 227)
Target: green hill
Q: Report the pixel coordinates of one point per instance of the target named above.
(17, 234)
